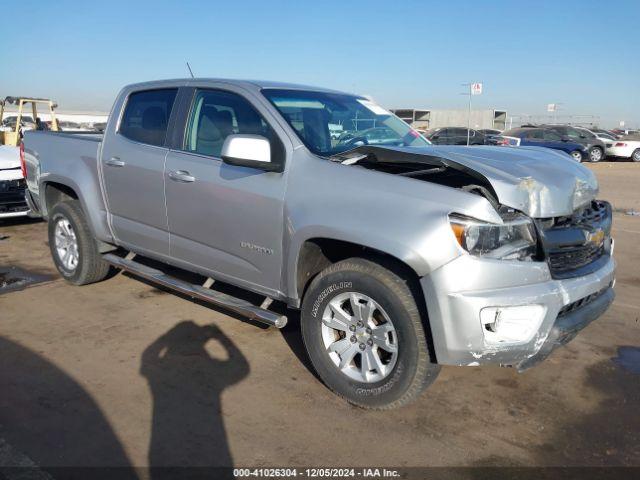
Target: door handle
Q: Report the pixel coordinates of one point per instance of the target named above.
(115, 162)
(181, 176)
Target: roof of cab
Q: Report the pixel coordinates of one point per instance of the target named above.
(250, 84)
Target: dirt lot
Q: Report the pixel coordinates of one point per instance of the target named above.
(121, 373)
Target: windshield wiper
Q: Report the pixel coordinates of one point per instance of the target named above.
(426, 171)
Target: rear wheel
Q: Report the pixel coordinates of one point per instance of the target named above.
(635, 156)
(577, 155)
(73, 248)
(363, 332)
(595, 154)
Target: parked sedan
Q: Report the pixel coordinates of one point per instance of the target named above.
(607, 138)
(594, 146)
(626, 147)
(543, 137)
(454, 136)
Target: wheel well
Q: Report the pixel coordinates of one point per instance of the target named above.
(319, 253)
(57, 192)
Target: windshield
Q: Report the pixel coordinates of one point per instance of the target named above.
(331, 123)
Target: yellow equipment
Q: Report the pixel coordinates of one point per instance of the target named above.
(13, 137)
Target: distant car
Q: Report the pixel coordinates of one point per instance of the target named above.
(67, 126)
(594, 146)
(620, 132)
(26, 122)
(454, 136)
(490, 131)
(491, 135)
(99, 126)
(607, 138)
(626, 147)
(543, 137)
(599, 131)
(373, 136)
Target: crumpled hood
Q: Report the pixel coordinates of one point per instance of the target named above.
(540, 182)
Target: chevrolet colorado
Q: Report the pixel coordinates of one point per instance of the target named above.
(401, 256)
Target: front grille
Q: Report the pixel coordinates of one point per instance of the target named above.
(12, 198)
(12, 186)
(595, 212)
(574, 243)
(572, 258)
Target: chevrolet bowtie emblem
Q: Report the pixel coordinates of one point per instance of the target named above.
(596, 237)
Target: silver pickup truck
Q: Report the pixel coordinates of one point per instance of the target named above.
(401, 256)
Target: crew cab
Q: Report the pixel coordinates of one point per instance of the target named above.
(401, 257)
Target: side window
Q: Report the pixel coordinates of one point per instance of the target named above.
(573, 133)
(535, 134)
(146, 116)
(215, 115)
(552, 136)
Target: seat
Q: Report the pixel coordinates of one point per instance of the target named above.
(213, 128)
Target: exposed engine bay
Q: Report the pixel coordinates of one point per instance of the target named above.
(430, 168)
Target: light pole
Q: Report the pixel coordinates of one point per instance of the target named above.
(474, 89)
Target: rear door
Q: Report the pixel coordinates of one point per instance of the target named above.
(133, 159)
(457, 136)
(225, 220)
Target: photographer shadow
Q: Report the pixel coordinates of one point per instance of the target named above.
(187, 382)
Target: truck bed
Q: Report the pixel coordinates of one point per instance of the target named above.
(70, 158)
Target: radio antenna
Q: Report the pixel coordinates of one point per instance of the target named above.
(190, 71)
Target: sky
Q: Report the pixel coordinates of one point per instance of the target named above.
(581, 54)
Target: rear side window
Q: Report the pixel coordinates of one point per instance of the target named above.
(146, 116)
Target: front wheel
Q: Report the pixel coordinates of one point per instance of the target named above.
(73, 248)
(364, 335)
(595, 154)
(635, 156)
(577, 155)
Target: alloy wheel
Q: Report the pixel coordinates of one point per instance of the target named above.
(359, 337)
(66, 244)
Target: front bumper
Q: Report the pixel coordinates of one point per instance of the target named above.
(457, 292)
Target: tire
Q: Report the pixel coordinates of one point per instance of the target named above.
(635, 156)
(68, 220)
(596, 154)
(577, 155)
(398, 378)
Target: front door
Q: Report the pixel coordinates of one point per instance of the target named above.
(225, 220)
(133, 167)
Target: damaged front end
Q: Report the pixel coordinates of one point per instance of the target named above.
(525, 285)
(540, 183)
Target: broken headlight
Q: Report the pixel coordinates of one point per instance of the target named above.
(515, 239)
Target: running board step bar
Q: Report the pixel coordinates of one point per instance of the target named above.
(237, 305)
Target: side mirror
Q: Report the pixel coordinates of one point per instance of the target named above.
(252, 151)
